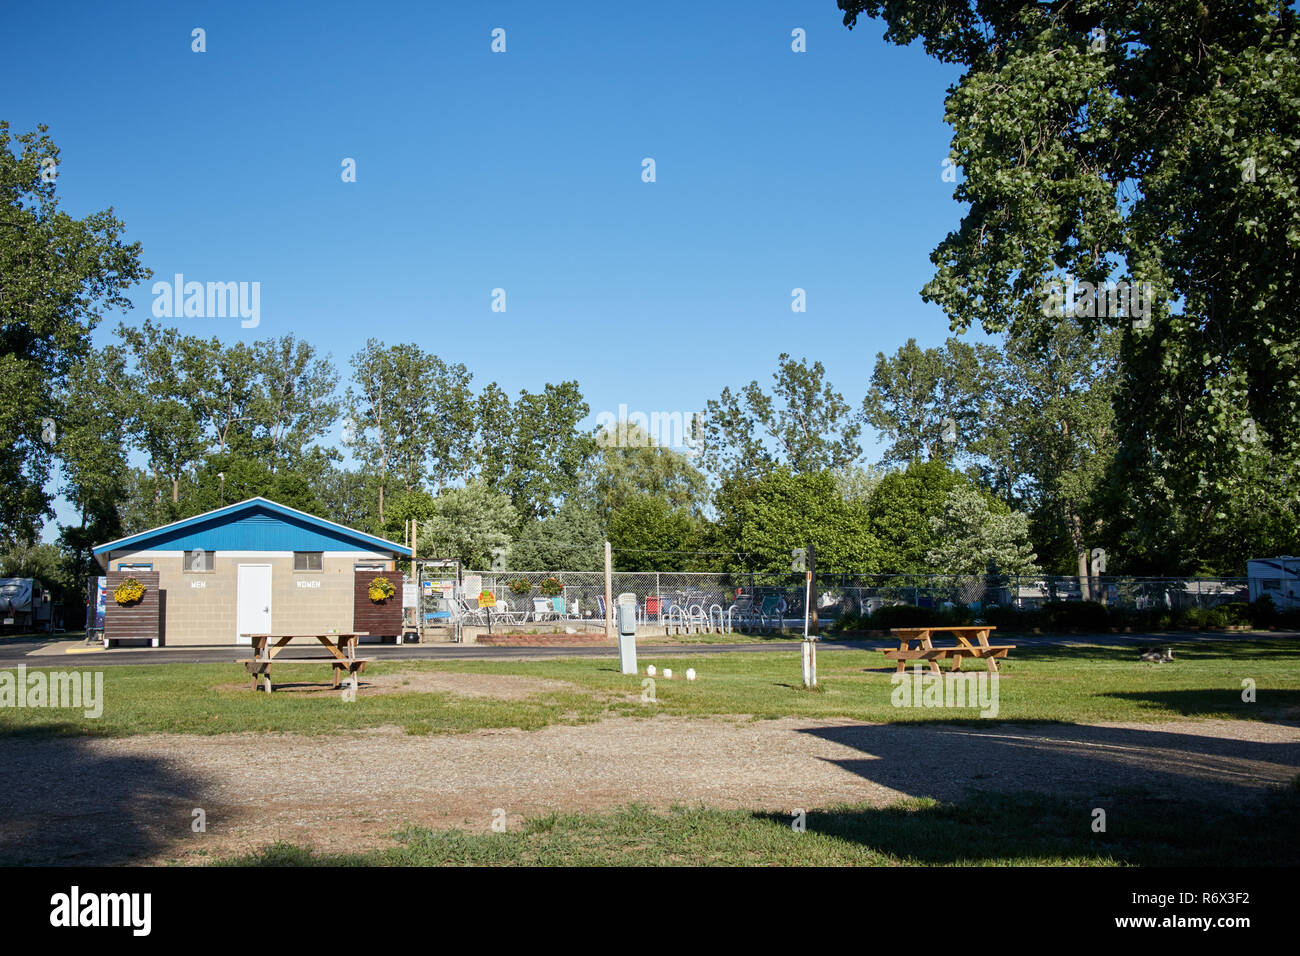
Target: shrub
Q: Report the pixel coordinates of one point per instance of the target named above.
(1145, 619)
(1263, 612)
(1014, 618)
(903, 615)
(1066, 615)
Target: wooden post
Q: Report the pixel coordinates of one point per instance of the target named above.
(808, 655)
(609, 593)
(812, 591)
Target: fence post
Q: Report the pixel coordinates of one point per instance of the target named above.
(609, 594)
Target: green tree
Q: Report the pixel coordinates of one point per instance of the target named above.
(165, 416)
(417, 504)
(226, 479)
(646, 533)
(493, 433)
(546, 455)
(803, 424)
(294, 405)
(45, 562)
(58, 274)
(569, 540)
(393, 413)
(92, 449)
(639, 466)
(975, 534)
(766, 517)
(1052, 438)
(350, 498)
(1154, 144)
(471, 524)
(901, 511)
(858, 483)
(931, 403)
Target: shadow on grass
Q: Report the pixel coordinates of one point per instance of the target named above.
(1184, 649)
(948, 761)
(1026, 828)
(67, 803)
(1270, 705)
(990, 828)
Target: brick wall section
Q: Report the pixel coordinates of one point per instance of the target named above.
(377, 620)
(139, 621)
(201, 606)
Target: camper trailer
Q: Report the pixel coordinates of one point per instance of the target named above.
(25, 605)
(1279, 578)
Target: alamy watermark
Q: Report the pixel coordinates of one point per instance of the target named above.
(950, 689)
(82, 690)
(74, 908)
(681, 431)
(1122, 299)
(213, 300)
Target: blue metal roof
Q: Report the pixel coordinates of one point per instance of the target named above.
(257, 524)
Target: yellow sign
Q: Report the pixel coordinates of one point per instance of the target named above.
(487, 599)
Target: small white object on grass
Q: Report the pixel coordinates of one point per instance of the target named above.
(650, 671)
(668, 673)
(690, 673)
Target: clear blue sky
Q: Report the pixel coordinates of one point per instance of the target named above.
(521, 170)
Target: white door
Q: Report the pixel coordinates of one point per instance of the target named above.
(253, 602)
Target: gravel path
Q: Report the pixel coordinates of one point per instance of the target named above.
(109, 800)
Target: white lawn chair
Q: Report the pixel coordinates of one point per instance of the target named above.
(506, 614)
(471, 614)
(542, 610)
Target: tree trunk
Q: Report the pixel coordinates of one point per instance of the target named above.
(1081, 552)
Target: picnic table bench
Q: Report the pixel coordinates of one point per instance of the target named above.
(342, 655)
(925, 650)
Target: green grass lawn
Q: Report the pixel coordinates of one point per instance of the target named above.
(1043, 683)
(988, 829)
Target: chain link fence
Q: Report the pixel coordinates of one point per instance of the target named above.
(580, 594)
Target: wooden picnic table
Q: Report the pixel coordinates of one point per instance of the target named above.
(342, 655)
(923, 638)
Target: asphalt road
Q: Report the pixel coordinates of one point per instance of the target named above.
(38, 652)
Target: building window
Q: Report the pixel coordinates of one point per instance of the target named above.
(307, 560)
(1272, 584)
(199, 560)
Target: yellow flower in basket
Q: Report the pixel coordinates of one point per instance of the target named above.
(380, 590)
(128, 592)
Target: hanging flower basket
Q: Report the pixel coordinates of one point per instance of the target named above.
(521, 586)
(380, 590)
(551, 587)
(129, 592)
